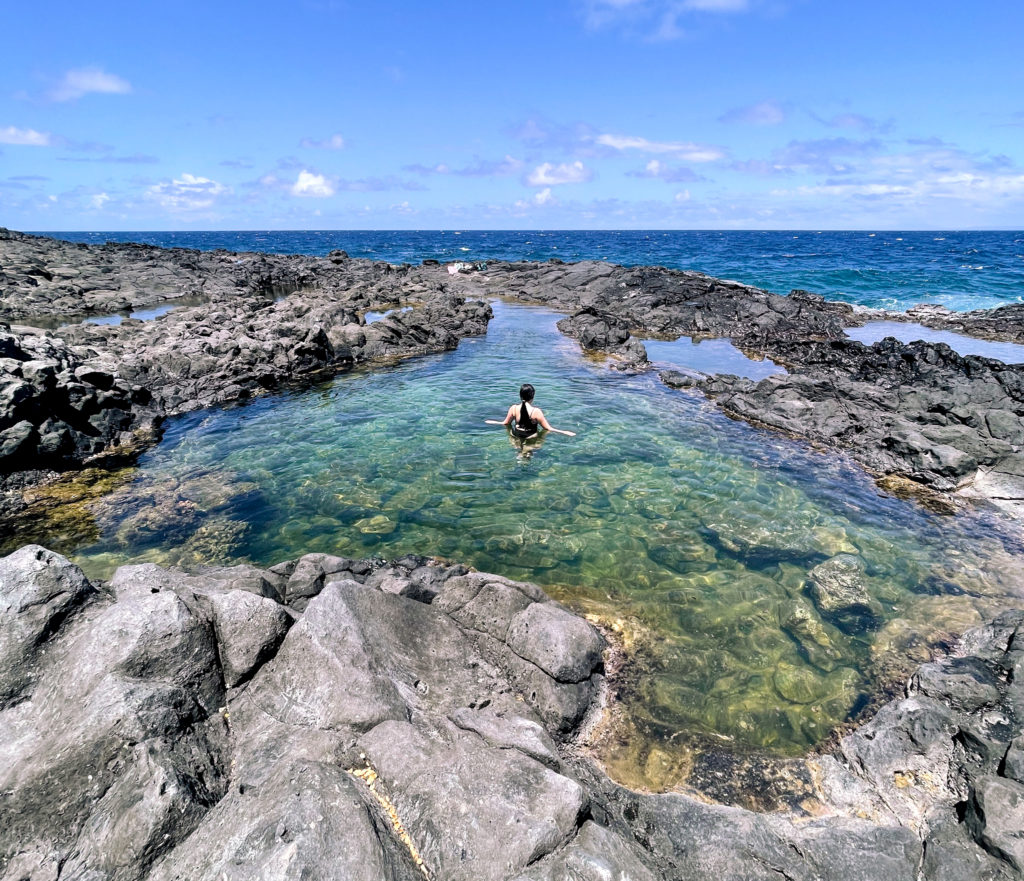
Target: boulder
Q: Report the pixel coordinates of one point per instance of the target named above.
(995, 816)
(39, 590)
(521, 810)
(249, 629)
(838, 590)
(564, 646)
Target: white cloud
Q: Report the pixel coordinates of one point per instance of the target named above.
(543, 197)
(683, 196)
(683, 149)
(24, 137)
(312, 185)
(77, 83)
(334, 142)
(98, 200)
(187, 193)
(549, 175)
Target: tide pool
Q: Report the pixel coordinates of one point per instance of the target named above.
(716, 551)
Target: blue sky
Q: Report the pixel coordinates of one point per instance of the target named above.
(577, 114)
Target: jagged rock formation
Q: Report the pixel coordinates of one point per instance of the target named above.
(917, 410)
(336, 718)
(56, 407)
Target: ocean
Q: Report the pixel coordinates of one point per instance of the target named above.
(891, 270)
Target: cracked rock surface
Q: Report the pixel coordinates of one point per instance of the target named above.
(364, 726)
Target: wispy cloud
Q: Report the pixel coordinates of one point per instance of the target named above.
(544, 134)
(762, 113)
(312, 183)
(131, 159)
(686, 150)
(717, 5)
(762, 167)
(824, 155)
(187, 193)
(236, 163)
(548, 174)
(78, 83)
(25, 137)
(655, 20)
(668, 173)
(921, 180)
(379, 184)
(334, 142)
(856, 122)
(506, 167)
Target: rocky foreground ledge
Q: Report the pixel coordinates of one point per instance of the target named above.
(335, 718)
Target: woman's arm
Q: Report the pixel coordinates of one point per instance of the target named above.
(538, 414)
(508, 417)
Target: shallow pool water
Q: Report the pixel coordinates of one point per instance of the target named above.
(908, 332)
(713, 548)
(708, 356)
(139, 314)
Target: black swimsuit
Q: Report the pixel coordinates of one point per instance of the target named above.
(524, 425)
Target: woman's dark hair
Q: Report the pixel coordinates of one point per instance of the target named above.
(526, 392)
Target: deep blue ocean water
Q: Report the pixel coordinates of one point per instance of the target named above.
(894, 270)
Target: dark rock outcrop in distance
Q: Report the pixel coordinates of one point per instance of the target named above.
(48, 278)
(668, 303)
(1003, 323)
(339, 718)
(268, 320)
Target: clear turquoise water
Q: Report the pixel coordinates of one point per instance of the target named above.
(691, 534)
(957, 269)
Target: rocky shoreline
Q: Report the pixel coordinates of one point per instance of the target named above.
(916, 411)
(346, 718)
(338, 718)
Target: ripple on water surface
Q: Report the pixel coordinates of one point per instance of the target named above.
(765, 590)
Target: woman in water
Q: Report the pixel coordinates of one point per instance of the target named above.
(524, 419)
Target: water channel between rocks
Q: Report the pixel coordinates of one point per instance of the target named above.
(766, 591)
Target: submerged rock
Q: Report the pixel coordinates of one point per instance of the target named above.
(838, 589)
